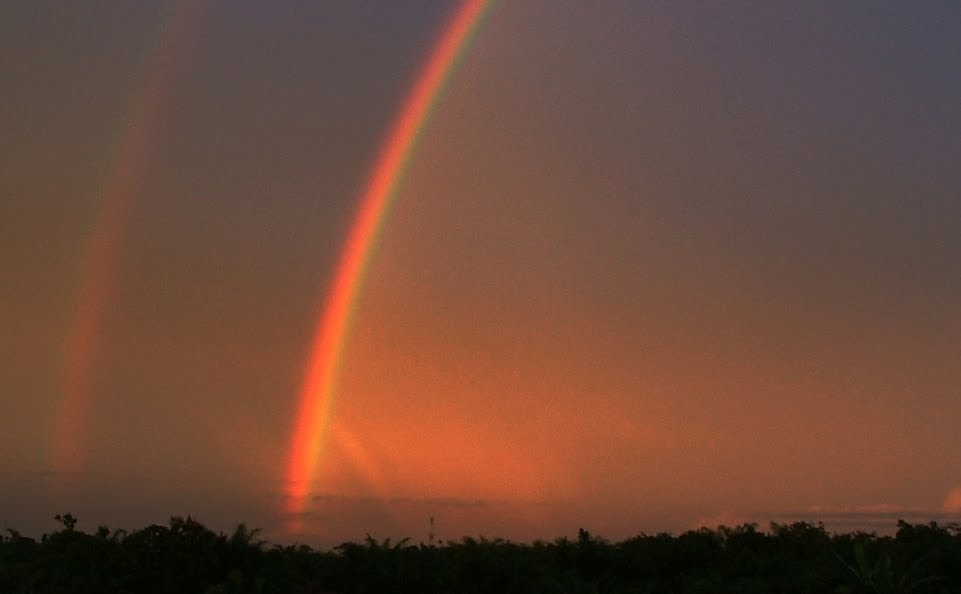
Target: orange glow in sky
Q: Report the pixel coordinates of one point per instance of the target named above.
(339, 268)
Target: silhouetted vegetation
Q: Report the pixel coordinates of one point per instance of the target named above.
(186, 557)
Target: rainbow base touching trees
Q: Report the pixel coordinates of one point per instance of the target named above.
(313, 416)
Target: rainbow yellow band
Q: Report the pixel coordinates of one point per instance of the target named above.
(313, 416)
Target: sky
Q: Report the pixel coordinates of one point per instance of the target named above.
(649, 266)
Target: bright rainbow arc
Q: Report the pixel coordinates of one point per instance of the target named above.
(330, 338)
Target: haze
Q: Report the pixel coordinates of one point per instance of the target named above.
(651, 265)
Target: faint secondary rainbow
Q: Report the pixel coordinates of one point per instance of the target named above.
(330, 337)
(119, 189)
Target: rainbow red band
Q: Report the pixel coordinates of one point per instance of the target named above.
(313, 416)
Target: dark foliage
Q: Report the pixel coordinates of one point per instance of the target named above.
(186, 557)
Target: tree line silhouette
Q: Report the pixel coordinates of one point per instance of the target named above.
(186, 557)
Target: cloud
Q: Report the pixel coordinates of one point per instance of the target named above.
(21, 474)
(877, 517)
(724, 518)
(432, 502)
(334, 518)
(881, 518)
(952, 503)
(869, 509)
(442, 502)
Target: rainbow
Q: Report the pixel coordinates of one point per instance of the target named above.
(315, 399)
(124, 172)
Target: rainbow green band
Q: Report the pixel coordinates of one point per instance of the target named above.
(318, 389)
